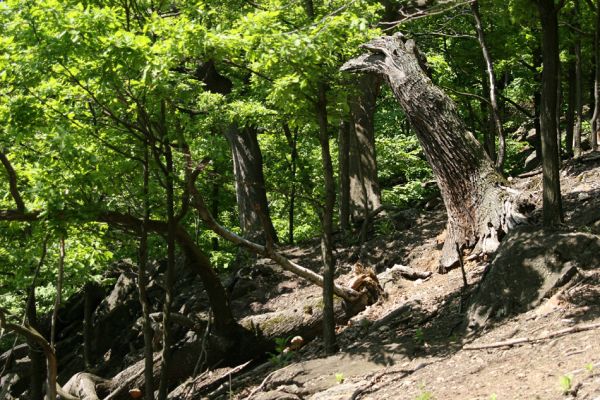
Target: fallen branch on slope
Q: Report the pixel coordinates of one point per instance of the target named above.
(516, 341)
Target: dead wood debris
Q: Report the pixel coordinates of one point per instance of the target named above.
(513, 342)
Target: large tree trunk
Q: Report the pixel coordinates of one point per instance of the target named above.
(253, 207)
(479, 209)
(365, 195)
(552, 214)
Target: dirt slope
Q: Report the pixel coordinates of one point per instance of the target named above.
(413, 344)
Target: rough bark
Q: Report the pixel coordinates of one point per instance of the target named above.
(552, 202)
(480, 210)
(253, 208)
(365, 194)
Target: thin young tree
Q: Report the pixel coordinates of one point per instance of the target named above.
(492, 86)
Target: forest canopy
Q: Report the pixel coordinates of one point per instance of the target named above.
(148, 130)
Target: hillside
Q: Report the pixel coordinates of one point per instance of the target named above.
(411, 344)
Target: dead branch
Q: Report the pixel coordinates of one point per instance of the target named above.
(513, 342)
(12, 182)
(33, 335)
(267, 251)
(190, 385)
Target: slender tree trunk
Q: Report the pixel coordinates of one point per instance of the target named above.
(578, 105)
(570, 117)
(537, 104)
(38, 368)
(344, 166)
(169, 276)
(143, 284)
(292, 139)
(59, 284)
(309, 8)
(479, 209)
(487, 122)
(552, 213)
(250, 185)
(214, 209)
(491, 86)
(88, 327)
(36, 355)
(327, 224)
(595, 122)
(365, 194)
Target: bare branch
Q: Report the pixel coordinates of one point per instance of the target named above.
(12, 181)
(266, 251)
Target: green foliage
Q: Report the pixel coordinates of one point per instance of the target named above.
(339, 377)
(84, 85)
(419, 337)
(566, 383)
(425, 395)
(282, 355)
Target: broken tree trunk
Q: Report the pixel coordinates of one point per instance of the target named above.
(480, 210)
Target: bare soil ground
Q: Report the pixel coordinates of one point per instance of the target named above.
(412, 344)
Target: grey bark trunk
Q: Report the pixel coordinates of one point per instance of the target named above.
(492, 85)
(255, 220)
(365, 195)
(479, 209)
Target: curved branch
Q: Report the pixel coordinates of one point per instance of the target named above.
(345, 293)
(12, 182)
(34, 336)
